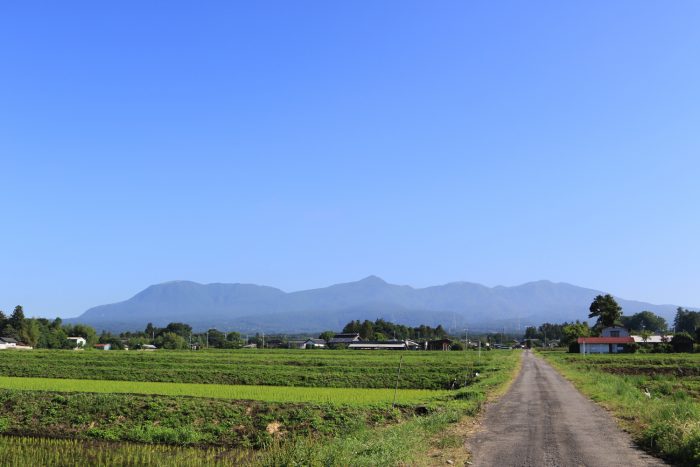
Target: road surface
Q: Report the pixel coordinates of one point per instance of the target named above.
(544, 421)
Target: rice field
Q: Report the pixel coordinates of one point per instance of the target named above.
(260, 407)
(276, 367)
(18, 451)
(319, 395)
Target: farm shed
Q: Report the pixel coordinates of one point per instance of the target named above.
(103, 346)
(314, 343)
(344, 338)
(438, 344)
(8, 342)
(603, 344)
(383, 345)
(652, 339)
(296, 344)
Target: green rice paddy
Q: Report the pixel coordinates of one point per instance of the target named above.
(352, 396)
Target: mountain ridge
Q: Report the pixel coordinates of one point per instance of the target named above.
(253, 307)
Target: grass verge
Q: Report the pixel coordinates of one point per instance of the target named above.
(666, 424)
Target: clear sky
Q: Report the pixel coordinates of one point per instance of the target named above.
(300, 144)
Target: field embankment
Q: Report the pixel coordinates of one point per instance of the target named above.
(666, 421)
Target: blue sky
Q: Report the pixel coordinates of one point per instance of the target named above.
(300, 144)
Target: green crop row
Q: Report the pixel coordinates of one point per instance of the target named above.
(327, 395)
(47, 451)
(179, 420)
(420, 370)
(261, 433)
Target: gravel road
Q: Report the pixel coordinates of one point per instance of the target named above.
(544, 421)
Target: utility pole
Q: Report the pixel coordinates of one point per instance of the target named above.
(396, 389)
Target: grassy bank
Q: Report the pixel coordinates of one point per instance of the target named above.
(666, 424)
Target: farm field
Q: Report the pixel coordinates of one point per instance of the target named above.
(667, 422)
(312, 420)
(338, 396)
(308, 368)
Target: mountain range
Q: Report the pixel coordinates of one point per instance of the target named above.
(251, 308)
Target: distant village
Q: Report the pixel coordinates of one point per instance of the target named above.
(612, 333)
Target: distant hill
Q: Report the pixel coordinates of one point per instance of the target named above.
(250, 308)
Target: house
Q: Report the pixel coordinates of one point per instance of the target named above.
(612, 339)
(296, 344)
(614, 331)
(8, 342)
(103, 346)
(314, 343)
(344, 338)
(78, 342)
(438, 344)
(383, 345)
(274, 343)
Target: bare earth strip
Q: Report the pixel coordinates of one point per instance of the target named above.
(544, 421)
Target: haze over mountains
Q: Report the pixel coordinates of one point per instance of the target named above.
(250, 308)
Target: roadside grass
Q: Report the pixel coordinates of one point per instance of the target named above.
(667, 423)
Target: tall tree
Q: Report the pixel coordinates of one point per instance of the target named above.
(575, 330)
(367, 330)
(3, 323)
(686, 321)
(30, 332)
(606, 309)
(17, 318)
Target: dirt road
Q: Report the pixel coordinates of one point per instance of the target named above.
(544, 421)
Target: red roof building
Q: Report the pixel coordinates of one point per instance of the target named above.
(606, 340)
(604, 344)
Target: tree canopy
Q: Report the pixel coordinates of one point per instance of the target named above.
(606, 309)
(644, 320)
(386, 329)
(686, 321)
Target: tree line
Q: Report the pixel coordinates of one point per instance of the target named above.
(384, 330)
(41, 332)
(606, 310)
